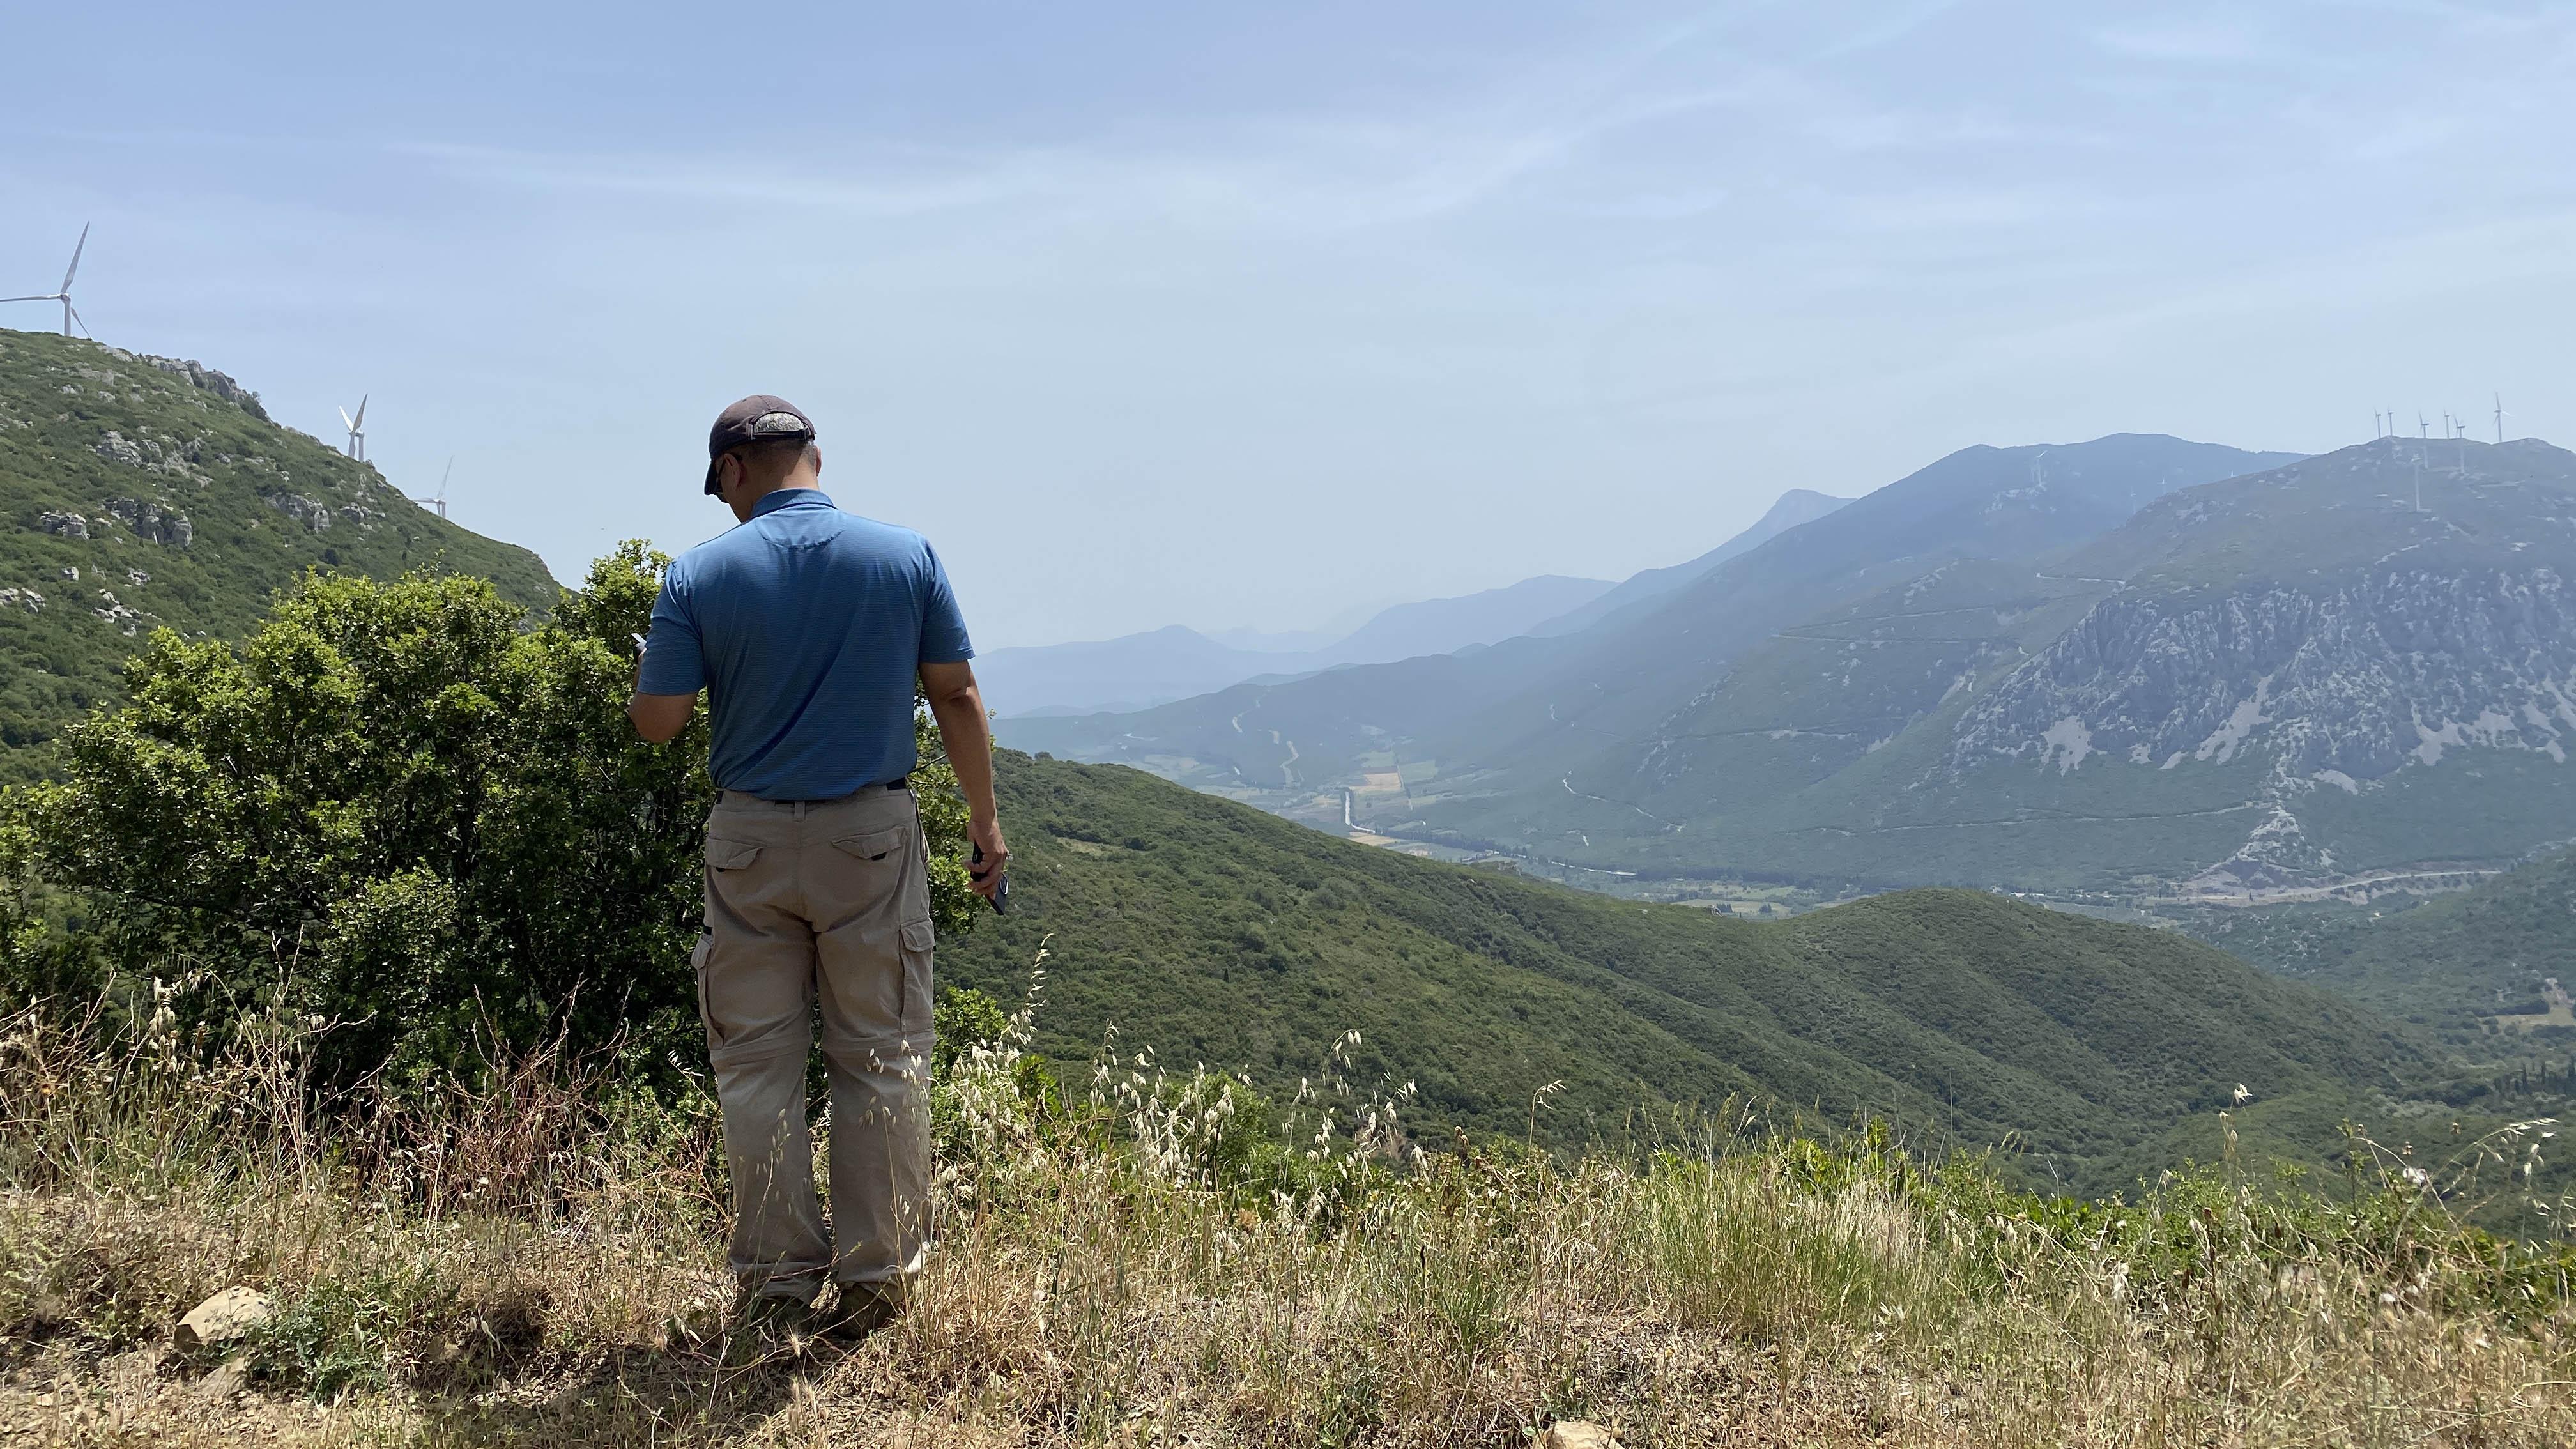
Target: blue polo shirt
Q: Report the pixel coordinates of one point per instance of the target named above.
(805, 626)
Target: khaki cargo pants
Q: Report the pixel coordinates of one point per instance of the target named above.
(820, 903)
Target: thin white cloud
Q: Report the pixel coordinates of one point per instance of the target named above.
(1901, 23)
(2215, 38)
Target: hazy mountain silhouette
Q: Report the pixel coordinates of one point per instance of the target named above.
(1137, 671)
(1797, 506)
(1516, 717)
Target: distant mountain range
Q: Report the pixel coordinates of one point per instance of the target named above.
(138, 492)
(2132, 664)
(1138, 671)
(1588, 746)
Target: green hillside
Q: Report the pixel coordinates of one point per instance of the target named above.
(1216, 934)
(138, 493)
(2464, 964)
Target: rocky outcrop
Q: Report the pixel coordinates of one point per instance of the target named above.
(2342, 684)
(63, 525)
(201, 377)
(120, 616)
(115, 448)
(171, 459)
(154, 522)
(313, 513)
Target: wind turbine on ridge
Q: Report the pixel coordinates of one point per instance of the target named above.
(63, 294)
(440, 502)
(357, 427)
(2499, 417)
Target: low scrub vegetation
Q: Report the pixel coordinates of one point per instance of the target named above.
(1133, 1256)
(411, 808)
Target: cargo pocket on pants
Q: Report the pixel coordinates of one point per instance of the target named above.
(917, 940)
(698, 966)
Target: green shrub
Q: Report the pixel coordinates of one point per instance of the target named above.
(962, 1019)
(412, 811)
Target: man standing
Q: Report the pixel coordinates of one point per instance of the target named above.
(808, 628)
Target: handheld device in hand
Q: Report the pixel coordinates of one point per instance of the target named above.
(1001, 896)
(639, 642)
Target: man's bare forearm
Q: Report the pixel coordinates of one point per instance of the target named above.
(968, 737)
(959, 707)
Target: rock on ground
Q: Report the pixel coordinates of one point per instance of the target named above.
(226, 1316)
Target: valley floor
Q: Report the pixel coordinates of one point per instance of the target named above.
(1334, 808)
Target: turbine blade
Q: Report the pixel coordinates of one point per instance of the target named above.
(76, 255)
(48, 297)
(362, 413)
(345, 423)
(76, 317)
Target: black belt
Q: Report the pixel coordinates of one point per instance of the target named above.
(903, 783)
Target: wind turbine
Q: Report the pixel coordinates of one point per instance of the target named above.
(2499, 417)
(64, 294)
(2423, 429)
(357, 427)
(440, 502)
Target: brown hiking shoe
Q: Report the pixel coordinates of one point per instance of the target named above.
(772, 1324)
(860, 1310)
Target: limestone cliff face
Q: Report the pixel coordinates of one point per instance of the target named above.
(2346, 688)
(2379, 673)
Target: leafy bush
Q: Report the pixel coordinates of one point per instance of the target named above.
(963, 1019)
(411, 810)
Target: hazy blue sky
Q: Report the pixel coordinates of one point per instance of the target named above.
(1225, 315)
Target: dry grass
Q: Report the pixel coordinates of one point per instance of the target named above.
(538, 1262)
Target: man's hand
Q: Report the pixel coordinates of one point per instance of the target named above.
(986, 874)
(959, 707)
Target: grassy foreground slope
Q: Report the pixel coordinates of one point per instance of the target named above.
(540, 1262)
(138, 493)
(1216, 934)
